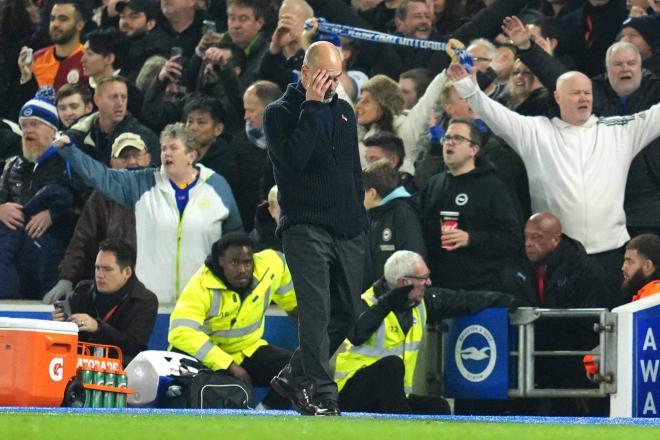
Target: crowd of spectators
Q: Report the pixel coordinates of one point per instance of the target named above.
(157, 110)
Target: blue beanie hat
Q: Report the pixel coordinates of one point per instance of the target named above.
(648, 27)
(41, 107)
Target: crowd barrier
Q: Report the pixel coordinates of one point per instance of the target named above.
(492, 355)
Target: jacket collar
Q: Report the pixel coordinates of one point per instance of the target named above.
(561, 124)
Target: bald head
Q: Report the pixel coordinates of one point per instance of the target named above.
(573, 95)
(320, 53)
(322, 63)
(542, 236)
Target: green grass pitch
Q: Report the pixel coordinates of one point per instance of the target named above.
(56, 426)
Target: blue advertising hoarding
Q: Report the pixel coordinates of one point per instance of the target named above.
(646, 365)
(476, 354)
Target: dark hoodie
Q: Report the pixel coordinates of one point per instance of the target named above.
(393, 226)
(486, 212)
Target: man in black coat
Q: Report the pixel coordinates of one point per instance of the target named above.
(312, 140)
(486, 233)
(206, 118)
(137, 18)
(557, 274)
(115, 308)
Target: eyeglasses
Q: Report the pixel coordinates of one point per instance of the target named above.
(455, 139)
(418, 278)
(477, 59)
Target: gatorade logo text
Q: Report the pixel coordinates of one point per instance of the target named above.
(96, 364)
(56, 369)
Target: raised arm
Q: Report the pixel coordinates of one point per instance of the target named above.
(516, 130)
(123, 186)
(416, 120)
(643, 127)
(546, 67)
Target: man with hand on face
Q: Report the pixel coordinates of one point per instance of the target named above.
(115, 308)
(487, 229)
(312, 141)
(219, 317)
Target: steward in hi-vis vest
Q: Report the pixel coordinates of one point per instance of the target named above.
(219, 317)
(375, 372)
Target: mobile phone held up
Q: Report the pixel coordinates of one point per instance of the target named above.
(209, 27)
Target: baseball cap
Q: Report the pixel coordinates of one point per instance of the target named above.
(149, 7)
(127, 140)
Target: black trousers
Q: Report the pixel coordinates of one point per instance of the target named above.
(262, 366)
(379, 388)
(327, 274)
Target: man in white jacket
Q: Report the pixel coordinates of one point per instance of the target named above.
(577, 164)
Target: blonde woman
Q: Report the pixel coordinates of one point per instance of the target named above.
(181, 209)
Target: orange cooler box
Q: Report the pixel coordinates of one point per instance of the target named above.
(38, 358)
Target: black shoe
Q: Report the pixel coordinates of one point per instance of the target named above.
(327, 408)
(300, 398)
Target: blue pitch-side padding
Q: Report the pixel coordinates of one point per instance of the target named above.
(273, 413)
(477, 356)
(279, 330)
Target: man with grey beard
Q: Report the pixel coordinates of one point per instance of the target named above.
(37, 199)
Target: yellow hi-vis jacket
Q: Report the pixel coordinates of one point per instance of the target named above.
(388, 340)
(211, 322)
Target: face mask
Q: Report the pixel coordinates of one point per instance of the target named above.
(255, 135)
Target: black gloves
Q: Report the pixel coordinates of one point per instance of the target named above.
(397, 298)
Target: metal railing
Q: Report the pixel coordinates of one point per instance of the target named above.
(525, 319)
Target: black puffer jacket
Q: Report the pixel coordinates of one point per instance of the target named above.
(21, 180)
(572, 280)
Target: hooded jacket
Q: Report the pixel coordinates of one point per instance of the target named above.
(393, 226)
(576, 172)
(486, 212)
(171, 245)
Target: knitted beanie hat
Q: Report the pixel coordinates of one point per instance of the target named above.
(41, 107)
(386, 92)
(648, 27)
